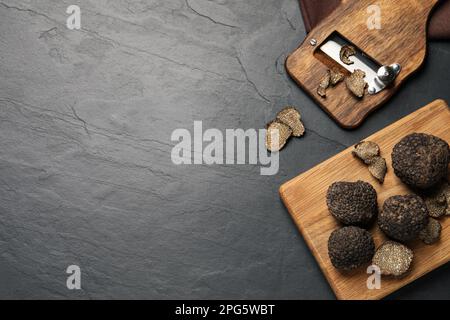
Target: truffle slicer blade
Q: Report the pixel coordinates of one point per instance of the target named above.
(397, 46)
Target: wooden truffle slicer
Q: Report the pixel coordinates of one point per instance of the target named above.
(388, 52)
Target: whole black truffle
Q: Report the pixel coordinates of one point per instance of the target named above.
(403, 217)
(350, 247)
(421, 160)
(353, 203)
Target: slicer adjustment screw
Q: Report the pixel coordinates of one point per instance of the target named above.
(313, 42)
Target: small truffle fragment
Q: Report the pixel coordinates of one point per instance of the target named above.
(431, 233)
(403, 217)
(291, 117)
(421, 160)
(345, 53)
(280, 130)
(447, 198)
(336, 76)
(378, 168)
(350, 247)
(366, 150)
(393, 259)
(356, 84)
(369, 153)
(324, 84)
(353, 203)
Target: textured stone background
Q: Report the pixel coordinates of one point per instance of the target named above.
(85, 170)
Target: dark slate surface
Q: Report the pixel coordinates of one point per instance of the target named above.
(85, 170)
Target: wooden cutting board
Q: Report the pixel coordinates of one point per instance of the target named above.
(304, 197)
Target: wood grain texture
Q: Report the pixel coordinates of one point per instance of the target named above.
(304, 197)
(401, 39)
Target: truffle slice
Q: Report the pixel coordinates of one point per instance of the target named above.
(378, 168)
(324, 84)
(353, 203)
(345, 53)
(403, 217)
(356, 84)
(366, 150)
(350, 247)
(291, 117)
(431, 233)
(393, 259)
(421, 160)
(280, 130)
(336, 76)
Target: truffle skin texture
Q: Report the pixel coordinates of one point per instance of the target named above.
(403, 217)
(421, 160)
(350, 248)
(353, 203)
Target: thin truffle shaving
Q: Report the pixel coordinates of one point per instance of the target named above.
(324, 84)
(346, 52)
(393, 259)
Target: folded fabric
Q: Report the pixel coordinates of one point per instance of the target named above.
(314, 11)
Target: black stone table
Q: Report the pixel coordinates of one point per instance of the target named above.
(86, 176)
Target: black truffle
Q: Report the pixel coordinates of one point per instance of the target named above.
(403, 217)
(421, 160)
(353, 203)
(350, 247)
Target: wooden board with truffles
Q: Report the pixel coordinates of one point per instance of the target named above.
(400, 223)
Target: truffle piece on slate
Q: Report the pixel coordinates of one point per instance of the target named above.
(353, 203)
(324, 84)
(336, 76)
(350, 247)
(403, 217)
(369, 153)
(280, 130)
(291, 117)
(393, 259)
(378, 168)
(345, 53)
(356, 84)
(366, 150)
(431, 233)
(421, 160)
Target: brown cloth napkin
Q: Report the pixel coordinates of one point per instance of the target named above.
(313, 11)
